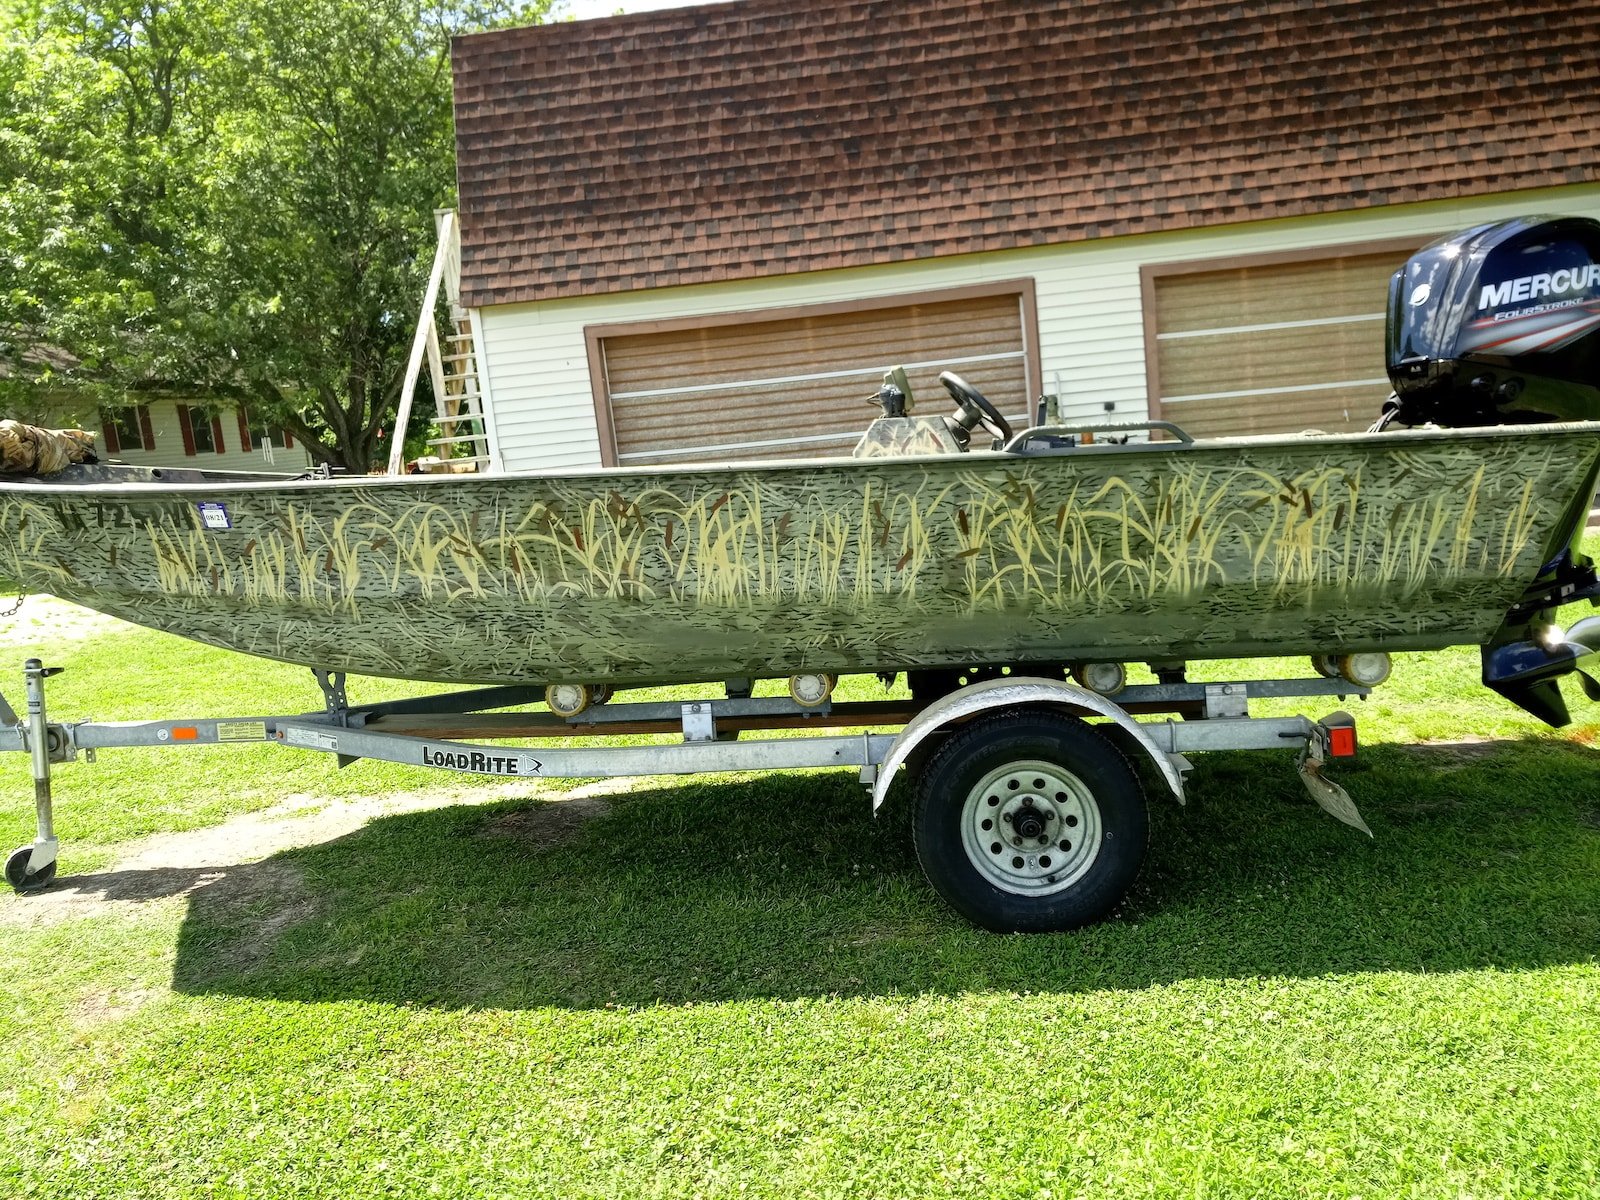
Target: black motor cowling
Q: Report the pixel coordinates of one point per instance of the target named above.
(1499, 324)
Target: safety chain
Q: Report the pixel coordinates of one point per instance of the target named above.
(16, 607)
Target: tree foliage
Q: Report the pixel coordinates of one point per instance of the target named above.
(228, 199)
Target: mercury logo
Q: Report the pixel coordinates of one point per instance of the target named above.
(1531, 287)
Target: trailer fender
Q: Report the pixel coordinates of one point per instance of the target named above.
(1011, 692)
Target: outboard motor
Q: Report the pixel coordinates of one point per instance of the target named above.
(1500, 324)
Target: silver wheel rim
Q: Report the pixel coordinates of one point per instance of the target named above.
(1016, 797)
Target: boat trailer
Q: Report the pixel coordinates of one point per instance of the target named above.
(1029, 814)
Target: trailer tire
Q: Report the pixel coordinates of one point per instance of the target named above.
(1030, 821)
(18, 875)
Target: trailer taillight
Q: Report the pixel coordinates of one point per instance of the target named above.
(1342, 741)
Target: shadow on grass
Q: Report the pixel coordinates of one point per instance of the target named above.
(786, 887)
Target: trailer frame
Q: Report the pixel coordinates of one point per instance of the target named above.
(448, 732)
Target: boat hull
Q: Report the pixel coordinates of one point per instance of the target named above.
(1397, 541)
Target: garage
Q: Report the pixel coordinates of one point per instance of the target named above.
(797, 384)
(1271, 346)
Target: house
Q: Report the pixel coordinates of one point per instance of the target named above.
(161, 432)
(167, 433)
(702, 233)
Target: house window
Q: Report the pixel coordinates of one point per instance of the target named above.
(257, 434)
(262, 434)
(202, 432)
(126, 423)
(127, 428)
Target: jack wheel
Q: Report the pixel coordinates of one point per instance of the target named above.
(18, 875)
(1030, 821)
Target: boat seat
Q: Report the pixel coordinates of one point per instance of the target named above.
(895, 437)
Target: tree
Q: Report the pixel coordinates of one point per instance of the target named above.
(231, 198)
(100, 160)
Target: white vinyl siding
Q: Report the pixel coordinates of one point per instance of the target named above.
(169, 452)
(1089, 300)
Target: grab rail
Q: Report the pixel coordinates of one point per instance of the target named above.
(1017, 444)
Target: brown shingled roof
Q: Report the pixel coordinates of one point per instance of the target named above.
(765, 137)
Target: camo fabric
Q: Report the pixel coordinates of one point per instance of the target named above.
(31, 450)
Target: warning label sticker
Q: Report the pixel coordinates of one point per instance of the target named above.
(241, 731)
(311, 739)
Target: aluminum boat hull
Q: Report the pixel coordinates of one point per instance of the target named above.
(1408, 540)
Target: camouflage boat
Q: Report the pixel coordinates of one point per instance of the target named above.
(1056, 547)
(1051, 554)
(912, 555)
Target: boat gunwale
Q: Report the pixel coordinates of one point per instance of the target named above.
(276, 482)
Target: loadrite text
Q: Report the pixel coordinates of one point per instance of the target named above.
(479, 762)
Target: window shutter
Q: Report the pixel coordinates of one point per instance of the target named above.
(244, 433)
(109, 428)
(216, 433)
(188, 433)
(146, 434)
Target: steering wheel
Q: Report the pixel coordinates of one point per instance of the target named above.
(974, 408)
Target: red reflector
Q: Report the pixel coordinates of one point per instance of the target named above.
(1342, 741)
(185, 733)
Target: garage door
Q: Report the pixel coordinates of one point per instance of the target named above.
(1274, 349)
(799, 387)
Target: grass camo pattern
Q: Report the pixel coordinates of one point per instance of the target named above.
(1407, 540)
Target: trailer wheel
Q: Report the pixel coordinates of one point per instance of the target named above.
(18, 875)
(1030, 821)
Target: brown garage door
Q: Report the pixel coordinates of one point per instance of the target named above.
(798, 387)
(1274, 349)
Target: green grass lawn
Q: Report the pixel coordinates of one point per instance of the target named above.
(742, 986)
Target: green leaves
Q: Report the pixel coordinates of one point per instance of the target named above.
(226, 198)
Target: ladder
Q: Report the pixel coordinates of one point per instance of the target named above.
(458, 396)
(453, 368)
